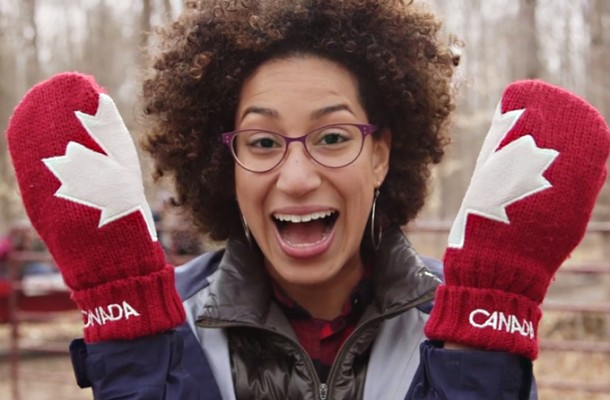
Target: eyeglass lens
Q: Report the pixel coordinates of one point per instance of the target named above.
(332, 146)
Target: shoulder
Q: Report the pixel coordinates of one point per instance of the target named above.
(435, 267)
(197, 274)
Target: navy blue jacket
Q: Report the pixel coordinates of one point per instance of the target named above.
(173, 365)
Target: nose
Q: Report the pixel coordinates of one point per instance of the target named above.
(298, 173)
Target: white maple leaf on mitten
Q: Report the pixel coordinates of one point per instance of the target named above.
(80, 181)
(109, 182)
(531, 196)
(502, 177)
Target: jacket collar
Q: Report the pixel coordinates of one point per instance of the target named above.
(241, 293)
(400, 277)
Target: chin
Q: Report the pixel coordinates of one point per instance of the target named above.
(304, 275)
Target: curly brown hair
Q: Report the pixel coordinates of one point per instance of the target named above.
(191, 93)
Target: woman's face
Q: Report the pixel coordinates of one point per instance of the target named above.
(307, 219)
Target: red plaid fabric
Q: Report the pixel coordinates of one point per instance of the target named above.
(320, 338)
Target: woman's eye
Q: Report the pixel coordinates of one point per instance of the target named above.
(263, 142)
(332, 138)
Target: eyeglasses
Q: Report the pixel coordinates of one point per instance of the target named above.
(332, 146)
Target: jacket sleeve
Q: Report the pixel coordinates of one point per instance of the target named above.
(474, 375)
(160, 367)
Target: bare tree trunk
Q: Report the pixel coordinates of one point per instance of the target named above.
(19, 69)
(598, 87)
(567, 67)
(145, 25)
(30, 42)
(527, 66)
(167, 8)
(598, 93)
(598, 82)
(7, 69)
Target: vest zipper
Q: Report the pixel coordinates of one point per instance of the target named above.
(323, 391)
(323, 388)
(352, 338)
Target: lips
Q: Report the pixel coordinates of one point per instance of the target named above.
(305, 235)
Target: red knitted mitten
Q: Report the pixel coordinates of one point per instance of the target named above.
(81, 185)
(535, 183)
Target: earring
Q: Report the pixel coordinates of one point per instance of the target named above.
(376, 238)
(246, 229)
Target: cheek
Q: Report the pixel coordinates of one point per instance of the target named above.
(250, 191)
(358, 188)
(364, 171)
(245, 191)
(239, 186)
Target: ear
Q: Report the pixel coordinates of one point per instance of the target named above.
(381, 154)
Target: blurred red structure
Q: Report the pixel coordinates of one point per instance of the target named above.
(32, 290)
(29, 282)
(601, 273)
(36, 297)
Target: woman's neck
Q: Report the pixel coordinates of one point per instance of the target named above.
(326, 300)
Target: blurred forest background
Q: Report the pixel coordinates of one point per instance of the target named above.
(564, 42)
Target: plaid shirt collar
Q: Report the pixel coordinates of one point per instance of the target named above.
(352, 309)
(320, 338)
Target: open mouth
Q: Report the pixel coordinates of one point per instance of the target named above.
(305, 230)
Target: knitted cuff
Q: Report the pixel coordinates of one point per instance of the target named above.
(485, 319)
(131, 308)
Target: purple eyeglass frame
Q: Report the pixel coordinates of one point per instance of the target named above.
(227, 139)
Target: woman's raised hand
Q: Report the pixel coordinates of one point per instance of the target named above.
(81, 185)
(535, 183)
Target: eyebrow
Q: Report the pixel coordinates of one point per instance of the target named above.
(329, 110)
(316, 114)
(267, 112)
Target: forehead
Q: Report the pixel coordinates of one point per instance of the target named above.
(299, 83)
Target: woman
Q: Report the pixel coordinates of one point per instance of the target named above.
(256, 75)
(317, 294)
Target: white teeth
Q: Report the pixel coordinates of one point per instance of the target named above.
(303, 218)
